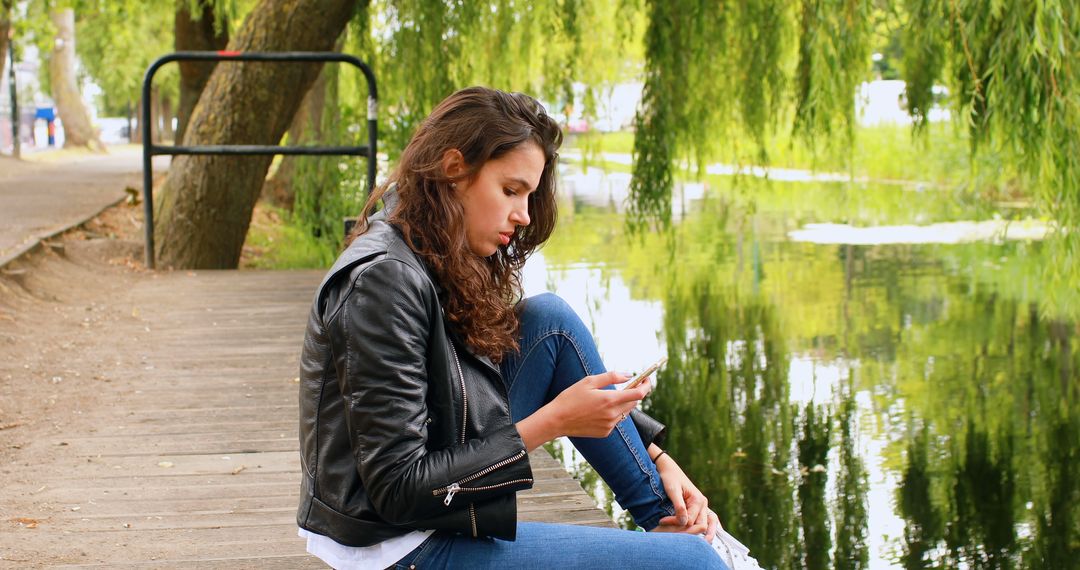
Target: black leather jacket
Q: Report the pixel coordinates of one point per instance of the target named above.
(402, 427)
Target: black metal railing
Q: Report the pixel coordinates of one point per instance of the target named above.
(150, 149)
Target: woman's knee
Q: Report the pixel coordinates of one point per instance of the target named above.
(548, 308)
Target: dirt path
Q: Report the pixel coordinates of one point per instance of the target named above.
(41, 198)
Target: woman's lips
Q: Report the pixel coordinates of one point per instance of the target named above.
(505, 238)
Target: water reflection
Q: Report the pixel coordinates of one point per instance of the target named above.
(844, 406)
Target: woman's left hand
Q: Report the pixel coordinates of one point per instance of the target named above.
(692, 514)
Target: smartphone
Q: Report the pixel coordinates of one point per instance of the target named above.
(636, 380)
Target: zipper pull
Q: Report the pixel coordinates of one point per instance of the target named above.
(450, 491)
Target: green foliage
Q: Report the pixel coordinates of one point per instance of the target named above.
(1011, 70)
(277, 245)
(834, 53)
(422, 51)
(329, 189)
(924, 40)
(117, 41)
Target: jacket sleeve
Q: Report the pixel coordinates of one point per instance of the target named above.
(650, 430)
(381, 338)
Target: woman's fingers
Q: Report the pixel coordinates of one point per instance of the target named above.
(697, 505)
(701, 518)
(714, 524)
(606, 379)
(671, 524)
(680, 507)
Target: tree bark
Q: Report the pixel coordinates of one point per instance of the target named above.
(207, 201)
(155, 115)
(306, 128)
(166, 113)
(78, 130)
(195, 35)
(136, 129)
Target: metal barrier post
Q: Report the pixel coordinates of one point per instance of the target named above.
(150, 149)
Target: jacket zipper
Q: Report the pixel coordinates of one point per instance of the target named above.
(472, 517)
(455, 488)
(464, 394)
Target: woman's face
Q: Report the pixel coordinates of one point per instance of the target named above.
(496, 200)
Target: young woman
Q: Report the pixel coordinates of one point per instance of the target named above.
(426, 380)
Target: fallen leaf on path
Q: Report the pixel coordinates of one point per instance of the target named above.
(27, 522)
(165, 464)
(10, 425)
(239, 469)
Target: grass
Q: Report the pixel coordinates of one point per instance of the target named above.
(274, 243)
(940, 155)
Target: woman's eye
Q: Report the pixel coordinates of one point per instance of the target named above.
(510, 191)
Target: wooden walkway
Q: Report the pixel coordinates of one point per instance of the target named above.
(195, 462)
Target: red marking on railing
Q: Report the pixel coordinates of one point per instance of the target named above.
(228, 53)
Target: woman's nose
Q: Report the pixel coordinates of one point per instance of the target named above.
(520, 216)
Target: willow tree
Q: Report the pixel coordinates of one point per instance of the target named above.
(423, 51)
(207, 201)
(5, 26)
(763, 66)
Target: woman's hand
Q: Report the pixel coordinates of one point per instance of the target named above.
(692, 513)
(585, 409)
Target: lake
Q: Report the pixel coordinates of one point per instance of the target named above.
(860, 375)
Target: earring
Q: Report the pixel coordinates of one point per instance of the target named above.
(453, 185)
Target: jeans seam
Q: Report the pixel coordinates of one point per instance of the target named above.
(644, 469)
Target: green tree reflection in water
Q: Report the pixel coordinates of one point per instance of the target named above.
(963, 381)
(726, 375)
(851, 510)
(996, 490)
(924, 526)
(813, 457)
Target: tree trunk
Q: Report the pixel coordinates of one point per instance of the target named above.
(78, 131)
(207, 201)
(166, 113)
(5, 25)
(155, 116)
(306, 128)
(195, 35)
(136, 129)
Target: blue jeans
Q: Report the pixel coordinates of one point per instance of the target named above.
(557, 350)
(542, 546)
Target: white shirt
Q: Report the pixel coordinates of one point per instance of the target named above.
(381, 555)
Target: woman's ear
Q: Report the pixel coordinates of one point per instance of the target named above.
(453, 164)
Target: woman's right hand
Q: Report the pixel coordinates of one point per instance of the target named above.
(586, 409)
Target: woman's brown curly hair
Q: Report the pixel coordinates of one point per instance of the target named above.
(483, 124)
